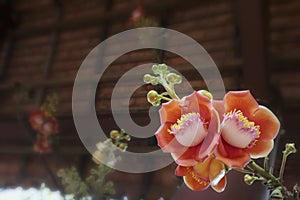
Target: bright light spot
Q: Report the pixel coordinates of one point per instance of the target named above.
(31, 194)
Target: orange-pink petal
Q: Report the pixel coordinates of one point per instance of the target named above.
(220, 108)
(202, 168)
(220, 187)
(232, 156)
(267, 121)
(240, 100)
(167, 141)
(211, 140)
(191, 179)
(170, 112)
(195, 184)
(181, 171)
(217, 175)
(216, 169)
(261, 148)
(197, 102)
(186, 157)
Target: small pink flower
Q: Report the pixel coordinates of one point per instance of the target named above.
(36, 119)
(137, 14)
(45, 124)
(49, 127)
(42, 145)
(247, 129)
(189, 129)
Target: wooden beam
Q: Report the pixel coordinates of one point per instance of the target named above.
(253, 26)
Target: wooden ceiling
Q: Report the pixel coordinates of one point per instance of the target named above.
(255, 44)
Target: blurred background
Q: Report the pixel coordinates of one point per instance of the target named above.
(255, 44)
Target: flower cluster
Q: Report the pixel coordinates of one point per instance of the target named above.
(208, 137)
(45, 124)
(105, 152)
(96, 185)
(139, 19)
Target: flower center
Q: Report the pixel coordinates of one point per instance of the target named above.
(189, 130)
(238, 131)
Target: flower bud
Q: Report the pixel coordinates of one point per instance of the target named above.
(127, 137)
(114, 134)
(206, 93)
(123, 146)
(172, 78)
(147, 78)
(163, 67)
(153, 98)
(154, 81)
(249, 180)
(155, 69)
(178, 80)
(289, 148)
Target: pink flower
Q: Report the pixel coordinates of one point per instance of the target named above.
(210, 172)
(36, 119)
(42, 145)
(45, 124)
(247, 129)
(137, 14)
(49, 127)
(189, 129)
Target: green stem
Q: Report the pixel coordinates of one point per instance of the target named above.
(263, 173)
(282, 167)
(169, 89)
(266, 163)
(165, 98)
(245, 171)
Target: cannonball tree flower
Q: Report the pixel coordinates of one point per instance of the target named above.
(189, 128)
(37, 119)
(137, 14)
(247, 129)
(49, 127)
(42, 145)
(210, 172)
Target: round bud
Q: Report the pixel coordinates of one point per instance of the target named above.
(171, 78)
(290, 148)
(147, 78)
(206, 93)
(249, 180)
(154, 81)
(163, 67)
(123, 146)
(114, 134)
(153, 98)
(127, 137)
(178, 79)
(155, 69)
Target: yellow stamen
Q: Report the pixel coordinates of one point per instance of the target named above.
(195, 177)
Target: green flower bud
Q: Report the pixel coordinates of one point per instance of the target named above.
(155, 69)
(148, 78)
(154, 81)
(171, 78)
(276, 194)
(114, 134)
(249, 180)
(127, 137)
(289, 148)
(206, 93)
(153, 98)
(123, 146)
(163, 67)
(178, 79)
